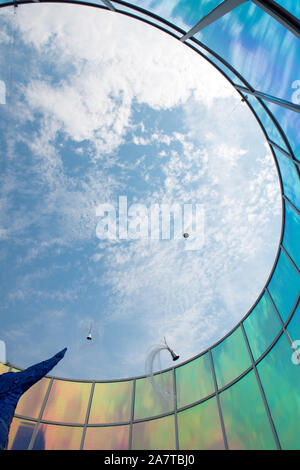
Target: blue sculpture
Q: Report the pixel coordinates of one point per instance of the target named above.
(14, 384)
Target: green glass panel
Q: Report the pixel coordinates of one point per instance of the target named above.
(261, 326)
(281, 382)
(284, 286)
(199, 427)
(107, 438)
(111, 402)
(246, 421)
(231, 358)
(67, 402)
(290, 178)
(194, 381)
(154, 400)
(154, 434)
(20, 434)
(184, 13)
(291, 238)
(192, 11)
(55, 437)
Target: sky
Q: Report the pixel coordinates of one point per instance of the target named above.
(100, 106)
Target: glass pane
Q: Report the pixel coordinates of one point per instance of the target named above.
(3, 368)
(55, 437)
(199, 427)
(292, 234)
(291, 5)
(291, 182)
(192, 11)
(111, 402)
(67, 402)
(246, 421)
(258, 46)
(261, 326)
(289, 120)
(149, 18)
(217, 62)
(154, 400)
(284, 286)
(231, 358)
(281, 382)
(108, 437)
(31, 401)
(154, 434)
(266, 121)
(194, 381)
(20, 434)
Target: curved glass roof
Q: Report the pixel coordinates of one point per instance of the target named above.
(244, 387)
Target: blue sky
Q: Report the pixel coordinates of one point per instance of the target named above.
(94, 113)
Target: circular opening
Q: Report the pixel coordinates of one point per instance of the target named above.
(119, 142)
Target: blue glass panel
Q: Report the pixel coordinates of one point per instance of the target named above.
(261, 326)
(293, 6)
(280, 379)
(291, 239)
(266, 121)
(193, 11)
(148, 18)
(290, 178)
(258, 46)
(20, 434)
(284, 286)
(231, 358)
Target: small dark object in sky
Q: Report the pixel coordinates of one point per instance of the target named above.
(14, 384)
(186, 235)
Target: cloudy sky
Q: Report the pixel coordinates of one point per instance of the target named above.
(100, 106)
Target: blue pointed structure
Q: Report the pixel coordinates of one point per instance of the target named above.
(12, 387)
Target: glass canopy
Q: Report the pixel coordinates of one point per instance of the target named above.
(243, 392)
